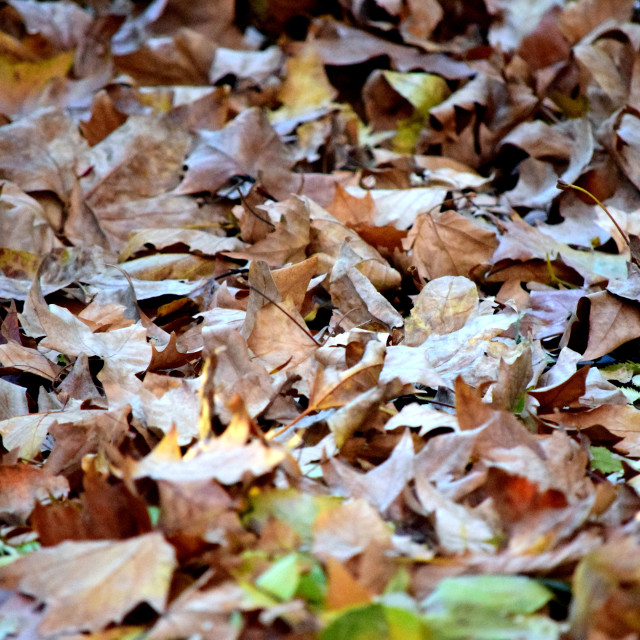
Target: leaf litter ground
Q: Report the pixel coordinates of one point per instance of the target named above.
(303, 333)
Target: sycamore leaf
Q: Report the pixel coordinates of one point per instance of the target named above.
(245, 146)
(443, 306)
(612, 322)
(458, 528)
(226, 458)
(333, 388)
(349, 529)
(449, 244)
(25, 434)
(123, 574)
(24, 81)
(306, 87)
(22, 486)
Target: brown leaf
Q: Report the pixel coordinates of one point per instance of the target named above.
(621, 420)
(246, 146)
(383, 484)
(458, 528)
(25, 434)
(123, 574)
(457, 120)
(105, 118)
(351, 210)
(293, 281)
(563, 395)
(448, 244)
(342, 589)
(108, 511)
(87, 435)
(328, 236)
(356, 413)
(223, 459)
(64, 25)
(525, 242)
(279, 337)
(499, 428)
(22, 486)
(612, 322)
(334, 388)
(605, 585)
(288, 241)
(205, 613)
(235, 372)
(38, 161)
(513, 380)
(354, 294)
(347, 530)
(444, 305)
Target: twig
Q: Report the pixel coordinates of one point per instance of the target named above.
(252, 210)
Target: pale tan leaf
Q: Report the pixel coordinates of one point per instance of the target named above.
(459, 530)
(25, 434)
(348, 530)
(444, 305)
(225, 464)
(123, 574)
(328, 236)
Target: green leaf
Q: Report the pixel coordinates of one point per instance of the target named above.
(282, 578)
(490, 608)
(360, 623)
(631, 393)
(505, 594)
(400, 582)
(423, 91)
(255, 598)
(313, 586)
(404, 624)
(603, 460)
(296, 509)
(394, 616)
(154, 514)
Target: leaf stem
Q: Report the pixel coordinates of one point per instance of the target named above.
(565, 186)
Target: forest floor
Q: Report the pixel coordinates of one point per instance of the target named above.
(320, 324)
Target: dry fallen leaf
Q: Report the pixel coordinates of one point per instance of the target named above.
(124, 574)
(297, 327)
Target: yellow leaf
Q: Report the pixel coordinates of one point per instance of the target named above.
(422, 90)
(24, 81)
(306, 86)
(168, 448)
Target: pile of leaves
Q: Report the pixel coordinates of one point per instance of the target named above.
(320, 319)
